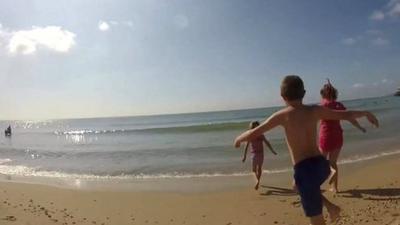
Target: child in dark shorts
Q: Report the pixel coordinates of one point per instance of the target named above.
(309, 175)
(300, 121)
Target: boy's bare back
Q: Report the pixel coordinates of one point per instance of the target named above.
(300, 124)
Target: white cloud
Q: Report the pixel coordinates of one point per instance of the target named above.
(382, 83)
(380, 87)
(127, 23)
(358, 85)
(380, 41)
(106, 25)
(377, 15)
(113, 22)
(27, 42)
(373, 32)
(349, 41)
(395, 10)
(391, 9)
(103, 26)
(181, 21)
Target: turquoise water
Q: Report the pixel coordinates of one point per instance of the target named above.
(184, 145)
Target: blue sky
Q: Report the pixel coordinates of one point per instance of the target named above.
(61, 59)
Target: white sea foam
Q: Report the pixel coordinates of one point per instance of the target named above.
(24, 171)
(360, 158)
(4, 161)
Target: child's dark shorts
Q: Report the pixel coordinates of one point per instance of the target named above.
(309, 175)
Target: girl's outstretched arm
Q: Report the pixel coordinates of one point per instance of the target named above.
(328, 114)
(357, 125)
(269, 146)
(273, 121)
(245, 152)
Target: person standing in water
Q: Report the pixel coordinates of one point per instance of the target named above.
(7, 132)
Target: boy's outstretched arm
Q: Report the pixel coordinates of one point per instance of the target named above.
(356, 124)
(269, 146)
(274, 120)
(245, 152)
(328, 114)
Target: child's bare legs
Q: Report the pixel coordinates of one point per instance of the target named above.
(333, 211)
(255, 175)
(333, 157)
(257, 169)
(258, 176)
(294, 186)
(317, 220)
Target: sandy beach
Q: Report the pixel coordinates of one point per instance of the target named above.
(370, 195)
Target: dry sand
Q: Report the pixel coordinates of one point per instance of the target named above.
(371, 196)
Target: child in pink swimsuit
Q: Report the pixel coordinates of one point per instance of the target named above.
(257, 150)
(331, 133)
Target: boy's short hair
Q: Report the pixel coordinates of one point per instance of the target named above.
(292, 88)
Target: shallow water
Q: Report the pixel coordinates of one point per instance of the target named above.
(183, 146)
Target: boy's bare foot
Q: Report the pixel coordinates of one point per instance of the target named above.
(334, 213)
(295, 189)
(330, 178)
(334, 190)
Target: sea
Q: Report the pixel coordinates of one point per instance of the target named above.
(180, 146)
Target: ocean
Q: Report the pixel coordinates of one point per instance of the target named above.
(191, 145)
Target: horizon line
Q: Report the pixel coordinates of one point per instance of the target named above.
(171, 114)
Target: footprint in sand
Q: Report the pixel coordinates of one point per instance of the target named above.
(10, 218)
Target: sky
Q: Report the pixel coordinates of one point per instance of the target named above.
(73, 58)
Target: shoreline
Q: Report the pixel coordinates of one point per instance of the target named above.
(371, 196)
(182, 184)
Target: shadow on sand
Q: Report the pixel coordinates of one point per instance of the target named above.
(378, 194)
(271, 190)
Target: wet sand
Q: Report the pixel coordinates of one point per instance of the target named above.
(370, 195)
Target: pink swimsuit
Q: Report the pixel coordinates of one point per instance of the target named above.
(330, 132)
(257, 149)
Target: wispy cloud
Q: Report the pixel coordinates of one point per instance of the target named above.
(349, 41)
(358, 85)
(394, 8)
(28, 41)
(377, 15)
(384, 82)
(391, 9)
(374, 37)
(106, 25)
(374, 32)
(380, 41)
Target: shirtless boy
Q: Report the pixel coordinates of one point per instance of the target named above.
(300, 122)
